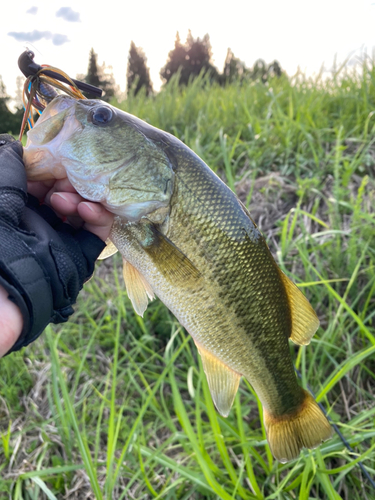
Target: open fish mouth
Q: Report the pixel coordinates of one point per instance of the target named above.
(58, 111)
(55, 126)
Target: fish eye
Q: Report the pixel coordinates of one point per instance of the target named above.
(101, 115)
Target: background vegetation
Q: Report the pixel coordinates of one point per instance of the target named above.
(189, 60)
(113, 406)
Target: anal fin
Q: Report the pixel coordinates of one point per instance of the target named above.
(138, 289)
(305, 322)
(222, 381)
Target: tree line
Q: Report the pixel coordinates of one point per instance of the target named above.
(193, 58)
(9, 122)
(189, 59)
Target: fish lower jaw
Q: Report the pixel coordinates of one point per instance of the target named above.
(41, 165)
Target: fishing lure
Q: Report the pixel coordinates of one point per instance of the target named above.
(41, 82)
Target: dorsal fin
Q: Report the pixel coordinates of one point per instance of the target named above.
(138, 289)
(305, 322)
(222, 381)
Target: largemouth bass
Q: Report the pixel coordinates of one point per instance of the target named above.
(187, 238)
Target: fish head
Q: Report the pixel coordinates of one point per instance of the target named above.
(56, 124)
(107, 154)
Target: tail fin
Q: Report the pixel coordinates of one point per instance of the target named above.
(305, 427)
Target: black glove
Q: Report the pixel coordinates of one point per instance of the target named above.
(43, 261)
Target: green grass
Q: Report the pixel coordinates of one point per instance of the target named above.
(113, 406)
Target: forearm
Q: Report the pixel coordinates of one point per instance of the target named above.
(11, 322)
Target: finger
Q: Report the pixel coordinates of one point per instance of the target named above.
(97, 219)
(65, 203)
(95, 213)
(62, 185)
(39, 189)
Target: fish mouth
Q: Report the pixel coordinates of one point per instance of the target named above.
(55, 126)
(51, 121)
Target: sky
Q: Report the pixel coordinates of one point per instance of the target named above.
(298, 33)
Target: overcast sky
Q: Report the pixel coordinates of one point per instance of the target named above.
(295, 32)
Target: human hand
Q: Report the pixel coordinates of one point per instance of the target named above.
(43, 261)
(64, 199)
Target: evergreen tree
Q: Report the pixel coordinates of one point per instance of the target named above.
(108, 83)
(98, 76)
(190, 59)
(92, 76)
(234, 69)
(274, 69)
(262, 71)
(9, 122)
(137, 74)
(176, 62)
(199, 55)
(259, 71)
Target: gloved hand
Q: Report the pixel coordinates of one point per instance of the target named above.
(43, 261)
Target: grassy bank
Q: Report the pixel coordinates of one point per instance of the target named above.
(114, 406)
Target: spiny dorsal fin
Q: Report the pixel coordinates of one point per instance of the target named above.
(304, 319)
(171, 262)
(138, 289)
(222, 381)
(108, 251)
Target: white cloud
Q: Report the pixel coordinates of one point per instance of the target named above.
(33, 10)
(36, 35)
(68, 14)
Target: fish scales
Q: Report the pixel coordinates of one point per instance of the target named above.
(241, 277)
(187, 238)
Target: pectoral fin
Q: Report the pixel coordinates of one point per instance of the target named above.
(108, 251)
(171, 262)
(138, 289)
(222, 381)
(304, 319)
